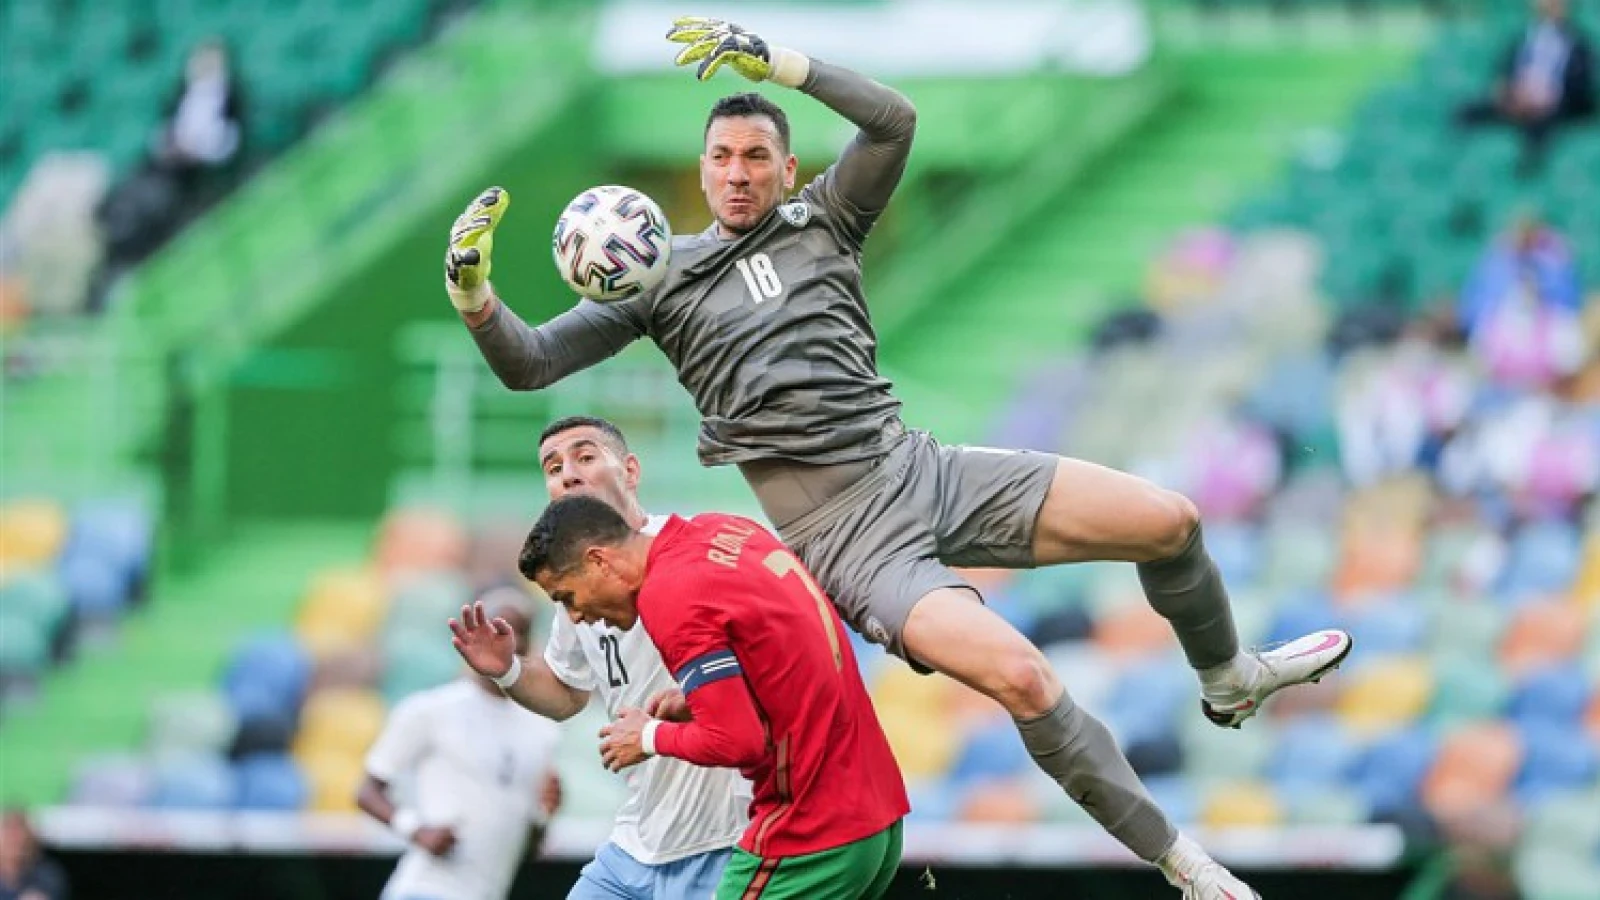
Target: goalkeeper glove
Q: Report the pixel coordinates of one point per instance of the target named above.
(467, 262)
(714, 43)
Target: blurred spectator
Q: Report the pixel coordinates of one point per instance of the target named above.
(25, 873)
(205, 118)
(1521, 307)
(1546, 79)
(191, 162)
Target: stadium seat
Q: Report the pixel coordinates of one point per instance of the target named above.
(420, 540)
(339, 721)
(1242, 804)
(332, 780)
(1322, 805)
(1555, 760)
(343, 609)
(268, 674)
(1313, 751)
(415, 661)
(194, 781)
(1554, 874)
(1000, 802)
(1388, 626)
(1555, 695)
(111, 781)
(1386, 694)
(193, 721)
(97, 586)
(24, 649)
(994, 751)
(1389, 772)
(37, 596)
(31, 532)
(1566, 820)
(270, 782)
(1544, 560)
(1467, 690)
(1541, 634)
(1475, 767)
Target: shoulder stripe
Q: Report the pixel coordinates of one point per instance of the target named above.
(707, 668)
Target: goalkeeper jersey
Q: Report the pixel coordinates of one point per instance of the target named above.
(769, 331)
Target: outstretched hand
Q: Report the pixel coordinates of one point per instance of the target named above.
(488, 645)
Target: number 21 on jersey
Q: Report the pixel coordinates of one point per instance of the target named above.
(760, 277)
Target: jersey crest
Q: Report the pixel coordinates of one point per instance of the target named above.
(796, 213)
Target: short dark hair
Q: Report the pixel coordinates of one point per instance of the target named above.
(567, 528)
(570, 422)
(751, 104)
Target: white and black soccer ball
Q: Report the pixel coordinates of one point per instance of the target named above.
(612, 243)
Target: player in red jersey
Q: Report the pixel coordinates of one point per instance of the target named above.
(769, 681)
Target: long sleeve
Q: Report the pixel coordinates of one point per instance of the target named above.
(726, 731)
(526, 358)
(870, 167)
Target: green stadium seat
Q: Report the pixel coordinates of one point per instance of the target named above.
(191, 721)
(24, 646)
(37, 598)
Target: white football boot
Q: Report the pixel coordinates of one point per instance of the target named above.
(1200, 877)
(1299, 661)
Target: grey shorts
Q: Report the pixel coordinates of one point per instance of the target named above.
(883, 543)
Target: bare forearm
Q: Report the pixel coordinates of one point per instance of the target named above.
(871, 166)
(538, 690)
(373, 799)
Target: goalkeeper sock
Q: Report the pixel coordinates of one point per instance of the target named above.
(1187, 591)
(1076, 750)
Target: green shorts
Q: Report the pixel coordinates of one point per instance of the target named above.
(861, 870)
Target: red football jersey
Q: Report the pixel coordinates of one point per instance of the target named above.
(768, 671)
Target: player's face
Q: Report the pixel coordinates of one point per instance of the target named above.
(583, 461)
(596, 592)
(745, 171)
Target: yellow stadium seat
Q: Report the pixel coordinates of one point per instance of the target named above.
(333, 779)
(32, 531)
(924, 745)
(1386, 694)
(339, 720)
(354, 598)
(1586, 590)
(1242, 804)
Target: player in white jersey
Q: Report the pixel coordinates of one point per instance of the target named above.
(677, 826)
(479, 779)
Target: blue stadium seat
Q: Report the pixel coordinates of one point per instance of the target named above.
(1544, 559)
(268, 674)
(1388, 625)
(1555, 759)
(1390, 771)
(270, 781)
(194, 781)
(994, 751)
(113, 780)
(1555, 696)
(1314, 751)
(97, 586)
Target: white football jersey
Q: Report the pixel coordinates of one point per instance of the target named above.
(476, 762)
(672, 809)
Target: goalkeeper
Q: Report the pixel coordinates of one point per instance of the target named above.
(763, 317)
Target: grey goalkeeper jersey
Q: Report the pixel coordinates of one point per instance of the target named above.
(769, 332)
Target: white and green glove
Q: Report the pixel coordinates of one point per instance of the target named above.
(467, 261)
(714, 43)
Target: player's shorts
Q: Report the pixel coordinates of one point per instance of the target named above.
(613, 874)
(860, 869)
(883, 543)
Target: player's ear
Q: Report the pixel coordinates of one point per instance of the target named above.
(790, 167)
(631, 467)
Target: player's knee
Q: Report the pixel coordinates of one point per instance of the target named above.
(1172, 524)
(1024, 684)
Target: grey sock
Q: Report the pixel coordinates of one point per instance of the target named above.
(1187, 591)
(1072, 747)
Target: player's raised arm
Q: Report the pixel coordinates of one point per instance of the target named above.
(489, 647)
(524, 358)
(870, 167)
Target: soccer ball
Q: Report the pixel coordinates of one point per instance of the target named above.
(612, 243)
